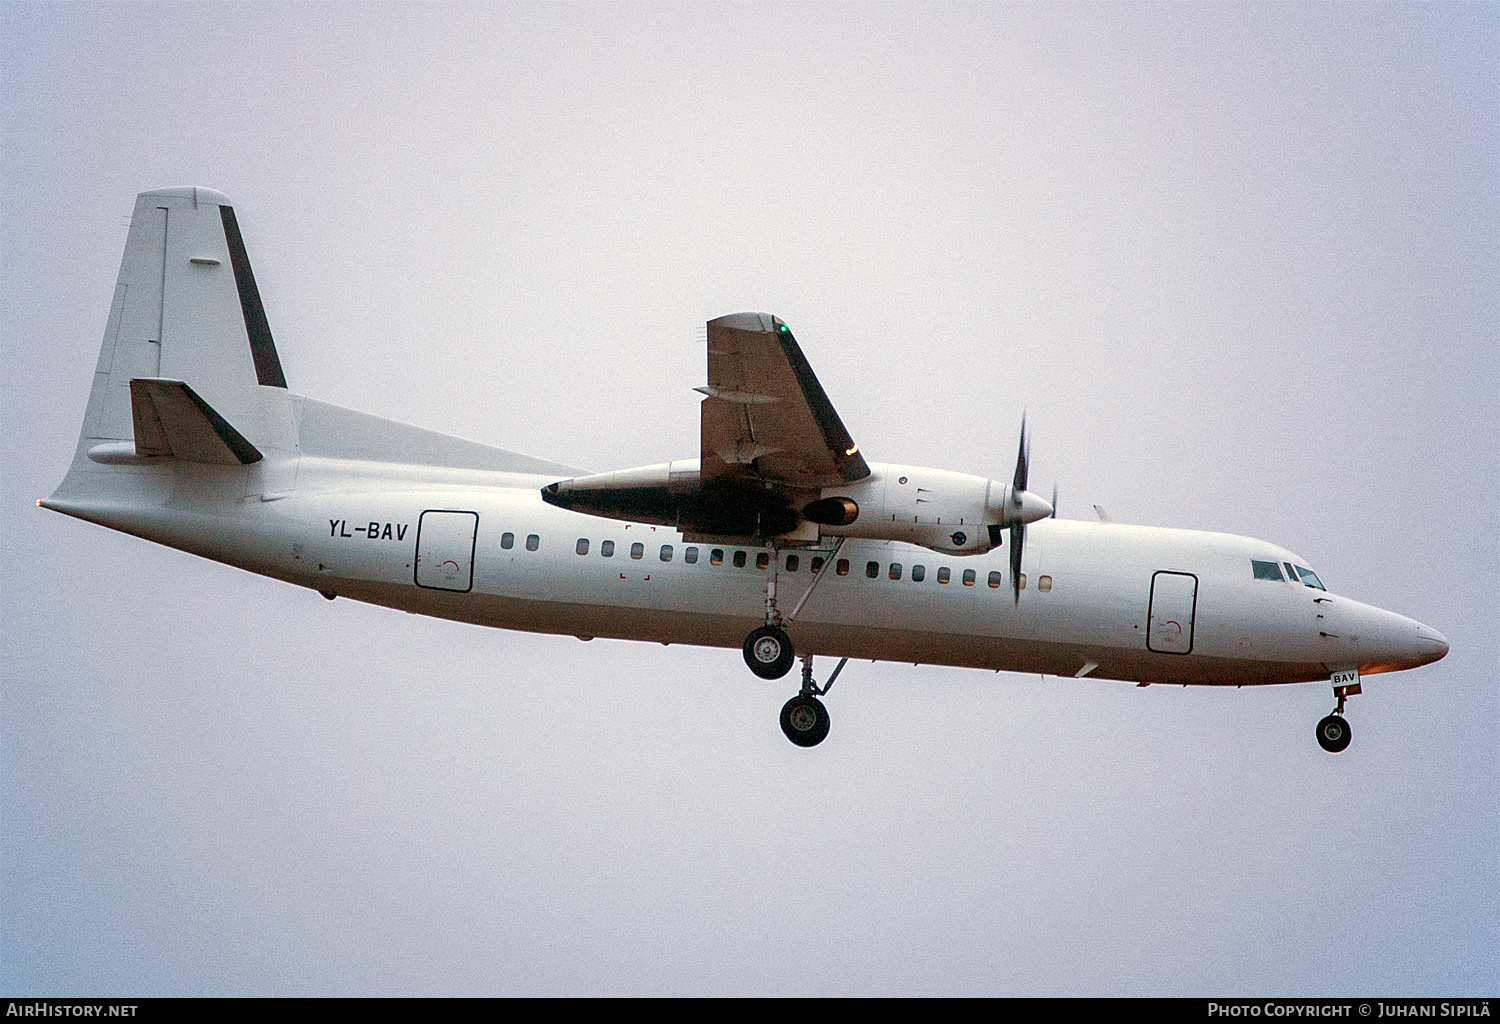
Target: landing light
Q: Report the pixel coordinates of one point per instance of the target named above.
(851, 451)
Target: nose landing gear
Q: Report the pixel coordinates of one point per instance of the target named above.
(804, 719)
(1333, 731)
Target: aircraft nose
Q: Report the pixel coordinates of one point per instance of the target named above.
(1431, 644)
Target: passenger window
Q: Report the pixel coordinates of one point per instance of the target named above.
(792, 561)
(1044, 584)
(532, 542)
(690, 556)
(583, 546)
(716, 556)
(763, 560)
(739, 559)
(817, 565)
(637, 550)
(943, 576)
(1266, 571)
(872, 569)
(666, 552)
(895, 571)
(842, 567)
(507, 541)
(995, 579)
(1310, 578)
(607, 549)
(968, 577)
(918, 573)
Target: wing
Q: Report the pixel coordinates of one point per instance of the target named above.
(766, 416)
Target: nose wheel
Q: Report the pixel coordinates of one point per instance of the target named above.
(1333, 731)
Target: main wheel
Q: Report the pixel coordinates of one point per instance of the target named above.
(805, 721)
(768, 652)
(1333, 733)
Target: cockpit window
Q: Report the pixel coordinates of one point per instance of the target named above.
(1267, 571)
(1310, 578)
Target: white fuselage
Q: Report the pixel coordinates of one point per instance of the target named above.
(351, 528)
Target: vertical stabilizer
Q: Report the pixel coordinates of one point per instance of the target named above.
(186, 308)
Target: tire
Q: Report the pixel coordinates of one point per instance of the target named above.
(805, 721)
(1333, 734)
(768, 652)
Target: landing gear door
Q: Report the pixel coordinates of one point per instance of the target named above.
(445, 550)
(1174, 601)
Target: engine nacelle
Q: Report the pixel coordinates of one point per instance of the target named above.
(936, 508)
(951, 512)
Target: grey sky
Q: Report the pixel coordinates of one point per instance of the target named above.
(1238, 263)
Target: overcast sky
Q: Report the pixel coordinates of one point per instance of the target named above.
(1237, 263)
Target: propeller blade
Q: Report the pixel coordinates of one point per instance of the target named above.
(1023, 458)
(1054, 499)
(1017, 542)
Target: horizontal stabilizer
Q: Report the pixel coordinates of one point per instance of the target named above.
(170, 419)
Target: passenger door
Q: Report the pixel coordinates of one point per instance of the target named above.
(1174, 602)
(445, 550)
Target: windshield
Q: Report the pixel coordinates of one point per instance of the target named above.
(1310, 578)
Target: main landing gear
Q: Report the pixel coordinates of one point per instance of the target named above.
(804, 719)
(1333, 731)
(768, 652)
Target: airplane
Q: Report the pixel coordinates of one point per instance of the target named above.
(779, 538)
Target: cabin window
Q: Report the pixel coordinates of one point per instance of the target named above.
(739, 559)
(943, 576)
(1266, 571)
(895, 571)
(716, 556)
(1310, 578)
(637, 550)
(1044, 584)
(792, 561)
(583, 546)
(690, 556)
(995, 579)
(1022, 580)
(817, 565)
(968, 577)
(842, 567)
(533, 542)
(763, 560)
(607, 549)
(666, 552)
(872, 569)
(918, 573)
(507, 541)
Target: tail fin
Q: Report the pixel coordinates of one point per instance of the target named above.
(186, 308)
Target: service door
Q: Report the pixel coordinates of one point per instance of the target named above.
(445, 550)
(1174, 600)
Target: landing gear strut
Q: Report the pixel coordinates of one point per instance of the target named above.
(1333, 731)
(804, 719)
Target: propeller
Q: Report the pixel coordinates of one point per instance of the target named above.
(1017, 508)
(1017, 492)
(1054, 500)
